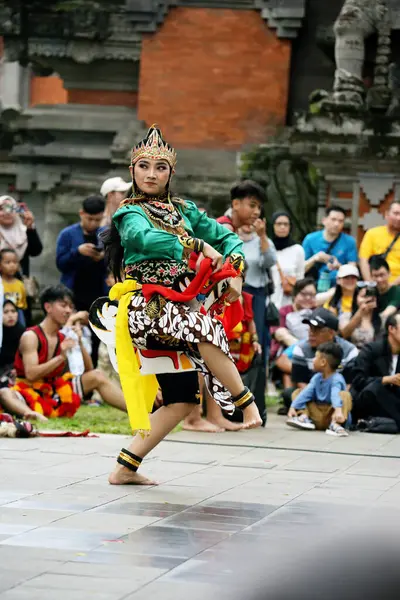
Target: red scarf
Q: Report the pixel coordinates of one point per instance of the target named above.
(201, 284)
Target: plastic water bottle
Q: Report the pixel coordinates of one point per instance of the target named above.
(324, 282)
(76, 366)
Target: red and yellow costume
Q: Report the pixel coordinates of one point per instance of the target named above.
(53, 396)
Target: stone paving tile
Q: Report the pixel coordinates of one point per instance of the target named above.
(131, 559)
(28, 592)
(137, 575)
(53, 537)
(173, 542)
(85, 583)
(90, 520)
(155, 510)
(388, 467)
(175, 591)
(216, 503)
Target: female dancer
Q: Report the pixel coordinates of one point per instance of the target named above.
(151, 238)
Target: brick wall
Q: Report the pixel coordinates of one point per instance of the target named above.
(214, 78)
(48, 90)
(103, 97)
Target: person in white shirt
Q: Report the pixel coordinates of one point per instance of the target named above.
(114, 190)
(290, 263)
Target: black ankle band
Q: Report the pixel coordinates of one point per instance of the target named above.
(129, 460)
(244, 399)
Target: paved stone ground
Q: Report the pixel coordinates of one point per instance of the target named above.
(224, 502)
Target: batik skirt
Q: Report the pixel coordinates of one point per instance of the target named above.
(178, 327)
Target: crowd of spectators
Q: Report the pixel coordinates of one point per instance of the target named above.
(321, 319)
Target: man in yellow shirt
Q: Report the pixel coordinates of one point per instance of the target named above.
(383, 240)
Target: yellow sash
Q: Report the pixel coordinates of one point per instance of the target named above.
(139, 390)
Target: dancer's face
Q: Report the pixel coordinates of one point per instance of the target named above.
(151, 176)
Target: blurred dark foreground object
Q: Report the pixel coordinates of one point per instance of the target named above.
(349, 566)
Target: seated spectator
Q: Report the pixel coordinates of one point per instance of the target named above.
(324, 403)
(376, 376)
(14, 288)
(342, 294)
(43, 383)
(389, 294)
(323, 328)
(364, 323)
(291, 327)
(12, 332)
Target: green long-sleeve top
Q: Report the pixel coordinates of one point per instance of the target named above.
(141, 240)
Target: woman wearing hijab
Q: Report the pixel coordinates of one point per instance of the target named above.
(18, 232)
(289, 266)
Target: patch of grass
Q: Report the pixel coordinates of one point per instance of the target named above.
(271, 401)
(99, 419)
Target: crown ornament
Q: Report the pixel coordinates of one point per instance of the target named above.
(153, 146)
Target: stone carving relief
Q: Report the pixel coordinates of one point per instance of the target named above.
(357, 20)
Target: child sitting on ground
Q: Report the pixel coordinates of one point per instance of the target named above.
(324, 403)
(14, 288)
(12, 332)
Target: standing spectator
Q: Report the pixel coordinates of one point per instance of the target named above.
(327, 250)
(260, 256)
(389, 294)
(80, 258)
(376, 376)
(383, 241)
(13, 287)
(247, 199)
(114, 190)
(18, 232)
(290, 260)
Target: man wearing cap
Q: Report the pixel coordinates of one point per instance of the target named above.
(323, 328)
(114, 190)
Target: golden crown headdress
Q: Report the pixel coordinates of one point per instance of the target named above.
(153, 146)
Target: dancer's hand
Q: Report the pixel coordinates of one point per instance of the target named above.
(235, 289)
(216, 257)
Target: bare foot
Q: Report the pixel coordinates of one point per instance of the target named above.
(251, 417)
(221, 422)
(34, 416)
(123, 476)
(201, 425)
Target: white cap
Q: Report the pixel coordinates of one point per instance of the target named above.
(114, 184)
(346, 270)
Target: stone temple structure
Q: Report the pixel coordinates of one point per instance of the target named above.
(219, 76)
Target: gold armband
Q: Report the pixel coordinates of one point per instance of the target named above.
(237, 261)
(191, 243)
(254, 338)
